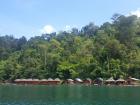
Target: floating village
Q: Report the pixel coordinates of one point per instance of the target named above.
(99, 81)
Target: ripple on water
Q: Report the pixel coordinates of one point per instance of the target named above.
(68, 95)
(61, 103)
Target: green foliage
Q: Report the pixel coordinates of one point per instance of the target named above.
(111, 50)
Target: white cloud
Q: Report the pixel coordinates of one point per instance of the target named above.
(137, 13)
(69, 27)
(47, 29)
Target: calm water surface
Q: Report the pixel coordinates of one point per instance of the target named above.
(68, 95)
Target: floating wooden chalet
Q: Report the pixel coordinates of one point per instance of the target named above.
(98, 81)
(78, 81)
(69, 81)
(120, 81)
(110, 81)
(132, 81)
(49, 81)
(87, 81)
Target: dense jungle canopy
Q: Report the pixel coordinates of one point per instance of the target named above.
(109, 50)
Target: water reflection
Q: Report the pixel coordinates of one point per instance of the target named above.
(68, 95)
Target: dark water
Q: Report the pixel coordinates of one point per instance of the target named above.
(68, 95)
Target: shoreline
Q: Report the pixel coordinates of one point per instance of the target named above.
(137, 85)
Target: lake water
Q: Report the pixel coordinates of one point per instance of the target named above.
(69, 95)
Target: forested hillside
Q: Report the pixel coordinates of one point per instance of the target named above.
(109, 50)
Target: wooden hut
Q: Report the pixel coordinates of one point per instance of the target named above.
(17, 80)
(69, 81)
(27, 81)
(78, 81)
(87, 81)
(132, 81)
(120, 82)
(43, 82)
(57, 81)
(20, 81)
(35, 81)
(50, 81)
(98, 81)
(110, 81)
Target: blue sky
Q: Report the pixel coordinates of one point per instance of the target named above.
(33, 17)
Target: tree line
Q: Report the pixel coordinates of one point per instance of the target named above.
(109, 50)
